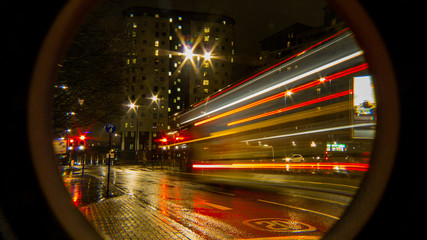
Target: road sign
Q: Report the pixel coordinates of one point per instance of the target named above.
(110, 128)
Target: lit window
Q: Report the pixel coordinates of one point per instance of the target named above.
(170, 73)
(128, 61)
(178, 98)
(224, 22)
(133, 34)
(206, 64)
(135, 25)
(206, 38)
(205, 82)
(180, 18)
(178, 89)
(134, 60)
(232, 60)
(170, 37)
(156, 52)
(170, 55)
(156, 43)
(206, 29)
(156, 15)
(206, 90)
(178, 107)
(170, 20)
(131, 15)
(179, 27)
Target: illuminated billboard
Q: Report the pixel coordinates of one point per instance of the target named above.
(364, 107)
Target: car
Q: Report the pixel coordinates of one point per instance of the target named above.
(294, 158)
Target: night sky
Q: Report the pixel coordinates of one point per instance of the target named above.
(255, 19)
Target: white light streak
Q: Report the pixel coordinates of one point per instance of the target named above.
(313, 131)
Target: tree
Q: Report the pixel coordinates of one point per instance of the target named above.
(90, 78)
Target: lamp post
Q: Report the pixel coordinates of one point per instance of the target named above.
(134, 107)
(156, 99)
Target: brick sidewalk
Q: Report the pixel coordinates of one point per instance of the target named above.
(124, 217)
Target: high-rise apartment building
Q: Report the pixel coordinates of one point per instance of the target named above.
(174, 59)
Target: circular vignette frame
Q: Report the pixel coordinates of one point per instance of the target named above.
(57, 42)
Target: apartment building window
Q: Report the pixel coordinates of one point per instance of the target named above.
(206, 29)
(206, 82)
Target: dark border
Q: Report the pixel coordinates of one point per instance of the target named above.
(56, 43)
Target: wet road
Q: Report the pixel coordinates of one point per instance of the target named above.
(230, 211)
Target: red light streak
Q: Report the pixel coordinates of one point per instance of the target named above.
(336, 95)
(315, 166)
(282, 94)
(294, 56)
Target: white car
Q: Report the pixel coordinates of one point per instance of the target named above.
(295, 158)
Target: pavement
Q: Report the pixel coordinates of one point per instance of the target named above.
(120, 216)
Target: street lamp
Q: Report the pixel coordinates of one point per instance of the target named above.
(156, 99)
(189, 54)
(134, 107)
(207, 56)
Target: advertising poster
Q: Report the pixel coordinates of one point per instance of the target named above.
(364, 107)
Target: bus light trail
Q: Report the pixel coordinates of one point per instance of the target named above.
(282, 94)
(278, 64)
(281, 84)
(311, 166)
(329, 97)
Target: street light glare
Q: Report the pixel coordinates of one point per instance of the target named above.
(188, 53)
(207, 56)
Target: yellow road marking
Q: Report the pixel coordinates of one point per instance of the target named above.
(216, 206)
(298, 208)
